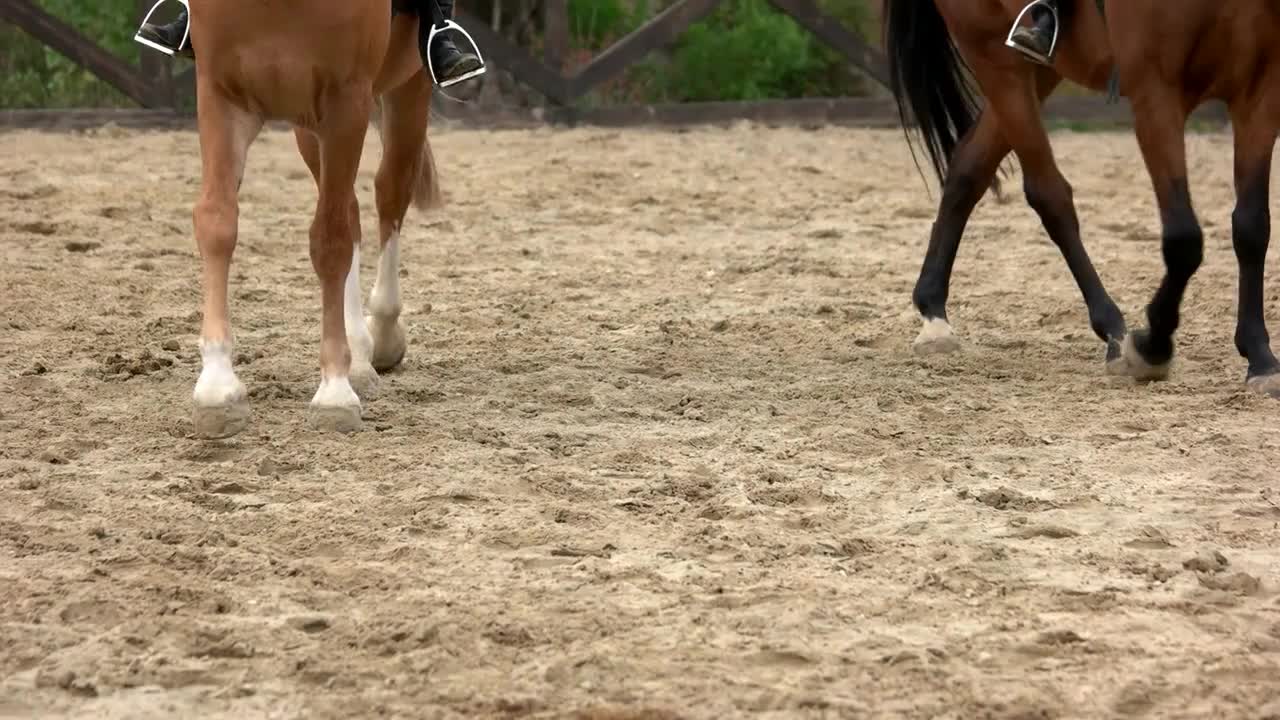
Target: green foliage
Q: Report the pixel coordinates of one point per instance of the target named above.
(747, 50)
(593, 24)
(32, 75)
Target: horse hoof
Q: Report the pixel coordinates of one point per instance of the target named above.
(340, 419)
(364, 380)
(936, 338)
(1268, 385)
(336, 407)
(1133, 364)
(221, 421)
(1115, 361)
(389, 342)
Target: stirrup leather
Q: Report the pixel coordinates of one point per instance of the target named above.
(1053, 45)
(186, 34)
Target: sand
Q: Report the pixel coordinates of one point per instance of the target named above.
(660, 447)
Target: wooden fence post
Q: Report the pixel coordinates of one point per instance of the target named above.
(555, 26)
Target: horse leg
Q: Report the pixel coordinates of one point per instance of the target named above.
(405, 111)
(335, 233)
(226, 132)
(363, 377)
(973, 168)
(1255, 138)
(1013, 99)
(1159, 123)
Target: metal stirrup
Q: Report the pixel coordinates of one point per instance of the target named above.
(1057, 26)
(156, 46)
(440, 25)
(447, 26)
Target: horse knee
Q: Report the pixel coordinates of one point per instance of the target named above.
(215, 223)
(1251, 231)
(334, 233)
(1183, 248)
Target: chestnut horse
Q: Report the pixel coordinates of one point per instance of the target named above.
(1171, 56)
(318, 65)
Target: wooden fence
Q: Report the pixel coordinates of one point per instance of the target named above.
(158, 90)
(152, 86)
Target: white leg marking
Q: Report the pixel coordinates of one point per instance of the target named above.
(384, 307)
(1132, 363)
(353, 313)
(384, 301)
(218, 384)
(363, 375)
(936, 337)
(221, 403)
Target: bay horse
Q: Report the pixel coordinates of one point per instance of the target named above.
(1170, 56)
(320, 66)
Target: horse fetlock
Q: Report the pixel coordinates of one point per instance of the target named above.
(389, 341)
(1108, 323)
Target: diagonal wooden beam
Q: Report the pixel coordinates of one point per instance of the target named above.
(830, 31)
(82, 51)
(510, 57)
(664, 29)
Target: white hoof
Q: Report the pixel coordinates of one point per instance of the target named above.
(1268, 385)
(336, 407)
(214, 422)
(389, 344)
(936, 338)
(1132, 363)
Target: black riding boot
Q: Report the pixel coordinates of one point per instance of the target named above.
(1036, 40)
(447, 61)
(170, 36)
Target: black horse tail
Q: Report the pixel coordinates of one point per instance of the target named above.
(929, 80)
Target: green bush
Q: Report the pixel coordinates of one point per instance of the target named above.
(594, 24)
(33, 76)
(747, 50)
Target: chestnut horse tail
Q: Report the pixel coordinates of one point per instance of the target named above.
(928, 79)
(426, 184)
(426, 179)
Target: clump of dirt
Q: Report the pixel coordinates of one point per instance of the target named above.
(120, 367)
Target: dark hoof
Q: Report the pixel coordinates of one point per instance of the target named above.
(1115, 351)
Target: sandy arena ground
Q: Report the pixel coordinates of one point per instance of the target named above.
(660, 448)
